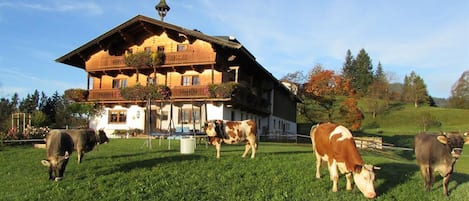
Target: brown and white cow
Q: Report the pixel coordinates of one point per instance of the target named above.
(232, 132)
(59, 147)
(335, 144)
(438, 153)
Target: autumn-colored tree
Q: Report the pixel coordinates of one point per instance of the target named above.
(351, 114)
(376, 101)
(323, 86)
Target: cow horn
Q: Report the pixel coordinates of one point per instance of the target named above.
(376, 168)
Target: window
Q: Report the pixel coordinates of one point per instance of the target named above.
(188, 116)
(119, 83)
(152, 80)
(164, 115)
(130, 51)
(147, 49)
(117, 116)
(181, 47)
(160, 49)
(188, 80)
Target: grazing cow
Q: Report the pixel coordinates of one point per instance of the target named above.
(438, 153)
(59, 148)
(335, 144)
(232, 132)
(85, 140)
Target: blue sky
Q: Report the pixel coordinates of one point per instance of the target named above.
(428, 37)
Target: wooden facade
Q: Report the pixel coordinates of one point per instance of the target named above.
(193, 62)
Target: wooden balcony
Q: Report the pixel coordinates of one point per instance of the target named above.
(190, 92)
(178, 92)
(172, 58)
(105, 95)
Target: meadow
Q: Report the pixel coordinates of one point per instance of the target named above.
(126, 169)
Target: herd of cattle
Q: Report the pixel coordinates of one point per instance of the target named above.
(332, 144)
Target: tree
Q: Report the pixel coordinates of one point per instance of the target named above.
(414, 90)
(323, 87)
(297, 77)
(359, 71)
(351, 114)
(460, 92)
(347, 67)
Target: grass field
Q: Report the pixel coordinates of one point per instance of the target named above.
(128, 170)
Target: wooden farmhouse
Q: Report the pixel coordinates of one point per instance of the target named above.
(196, 78)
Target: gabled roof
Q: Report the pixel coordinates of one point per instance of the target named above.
(134, 32)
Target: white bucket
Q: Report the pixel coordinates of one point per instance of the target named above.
(187, 145)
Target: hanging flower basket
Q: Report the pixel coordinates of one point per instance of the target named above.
(144, 59)
(140, 93)
(76, 95)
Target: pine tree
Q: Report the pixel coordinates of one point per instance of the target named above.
(363, 73)
(347, 68)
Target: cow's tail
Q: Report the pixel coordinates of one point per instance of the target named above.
(311, 133)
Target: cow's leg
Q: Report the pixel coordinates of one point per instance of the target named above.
(218, 148)
(334, 175)
(318, 165)
(445, 184)
(348, 176)
(424, 170)
(250, 144)
(246, 149)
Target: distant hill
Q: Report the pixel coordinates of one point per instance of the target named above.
(407, 120)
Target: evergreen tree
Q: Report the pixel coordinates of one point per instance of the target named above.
(414, 90)
(363, 73)
(348, 68)
(30, 103)
(379, 73)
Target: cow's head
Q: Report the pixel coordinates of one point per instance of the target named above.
(455, 141)
(212, 128)
(102, 138)
(364, 178)
(56, 166)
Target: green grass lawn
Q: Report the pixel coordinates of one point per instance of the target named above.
(128, 170)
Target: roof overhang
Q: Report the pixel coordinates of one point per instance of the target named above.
(134, 32)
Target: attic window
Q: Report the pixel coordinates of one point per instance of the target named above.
(181, 47)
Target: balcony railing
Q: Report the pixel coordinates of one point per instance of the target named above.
(176, 92)
(104, 95)
(242, 96)
(190, 92)
(172, 58)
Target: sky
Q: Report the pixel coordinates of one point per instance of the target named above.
(428, 37)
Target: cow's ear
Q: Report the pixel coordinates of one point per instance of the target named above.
(45, 163)
(443, 139)
(466, 141)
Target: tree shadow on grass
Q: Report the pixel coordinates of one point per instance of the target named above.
(149, 163)
(394, 174)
